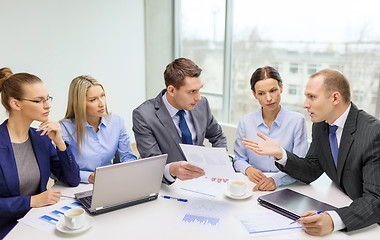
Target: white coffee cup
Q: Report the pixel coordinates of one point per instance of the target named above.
(237, 188)
(75, 218)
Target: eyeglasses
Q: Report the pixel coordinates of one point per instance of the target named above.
(49, 99)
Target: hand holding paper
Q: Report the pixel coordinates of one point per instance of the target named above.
(214, 161)
(185, 171)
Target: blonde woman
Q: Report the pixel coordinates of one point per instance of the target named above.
(27, 155)
(94, 134)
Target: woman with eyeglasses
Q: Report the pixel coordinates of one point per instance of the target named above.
(94, 134)
(27, 155)
(286, 127)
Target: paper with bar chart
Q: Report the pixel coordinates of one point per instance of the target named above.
(205, 214)
(47, 219)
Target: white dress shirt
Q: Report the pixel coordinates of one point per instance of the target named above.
(189, 120)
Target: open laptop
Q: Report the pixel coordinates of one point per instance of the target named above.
(292, 204)
(124, 184)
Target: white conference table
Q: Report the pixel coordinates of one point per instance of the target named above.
(156, 219)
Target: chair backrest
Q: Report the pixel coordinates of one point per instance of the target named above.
(230, 132)
(116, 159)
(117, 155)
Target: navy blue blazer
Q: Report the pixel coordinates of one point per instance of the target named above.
(61, 163)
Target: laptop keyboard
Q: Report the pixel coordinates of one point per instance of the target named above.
(87, 201)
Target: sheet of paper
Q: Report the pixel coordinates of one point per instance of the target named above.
(206, 186)
(46, 220)
(205, 214)
(266, 222)
(214, 161)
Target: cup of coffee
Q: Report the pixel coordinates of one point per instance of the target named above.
(237, 188)
(75, 218)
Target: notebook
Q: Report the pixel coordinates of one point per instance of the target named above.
(292, 204)
(124, 184)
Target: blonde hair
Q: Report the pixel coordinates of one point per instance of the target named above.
(76, 105)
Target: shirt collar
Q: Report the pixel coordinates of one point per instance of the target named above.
(278, 121)
(172, 110)
(342, 119)
(103, 121)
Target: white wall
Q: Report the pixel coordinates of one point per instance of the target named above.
(59, 40)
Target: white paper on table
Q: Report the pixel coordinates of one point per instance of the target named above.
(267, 222)
(46, 219)
(205, 214)
(210, 187)
(214, 161)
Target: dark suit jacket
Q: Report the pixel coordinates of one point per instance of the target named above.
(358, 168)
(61, 164)
(155, 132)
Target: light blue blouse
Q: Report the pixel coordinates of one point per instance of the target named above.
(98, 148)
(288, 129)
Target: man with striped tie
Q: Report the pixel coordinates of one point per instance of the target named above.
(179, 114)
(345, 145)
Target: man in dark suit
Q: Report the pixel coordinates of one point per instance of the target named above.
(345, 145)
(177, 115)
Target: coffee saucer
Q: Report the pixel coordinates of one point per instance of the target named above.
(60, 226)
(247, 194)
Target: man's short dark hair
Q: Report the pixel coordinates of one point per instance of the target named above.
(177, 70)
(335, 82)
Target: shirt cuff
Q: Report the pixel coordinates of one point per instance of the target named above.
(284, 158)
(241, 166)
(338, 223)
(167, 173)
(84, 175)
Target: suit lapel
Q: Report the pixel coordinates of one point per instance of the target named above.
(165, 119)
(347, 139)
(8, 162)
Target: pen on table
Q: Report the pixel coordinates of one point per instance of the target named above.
(319, 212)
(178, 199)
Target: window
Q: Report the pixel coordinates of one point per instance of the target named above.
(202, 40)
(294, 68)
(313, 68)
(293, 89)
(357, 96)
(230, 39)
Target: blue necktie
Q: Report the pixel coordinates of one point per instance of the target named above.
(333, 142)
(186, 134)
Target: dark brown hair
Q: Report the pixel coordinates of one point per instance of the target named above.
(11, 85)
(177, 70)
(265, 73)
(334, 81)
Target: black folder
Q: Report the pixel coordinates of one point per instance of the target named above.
(292, 204)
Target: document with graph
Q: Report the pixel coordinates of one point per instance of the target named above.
(267, 222)
(205, 214)
(46, 219)
(205, 186)
(214, 161)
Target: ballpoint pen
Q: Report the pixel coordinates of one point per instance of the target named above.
(319, 212)
(178, 199)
